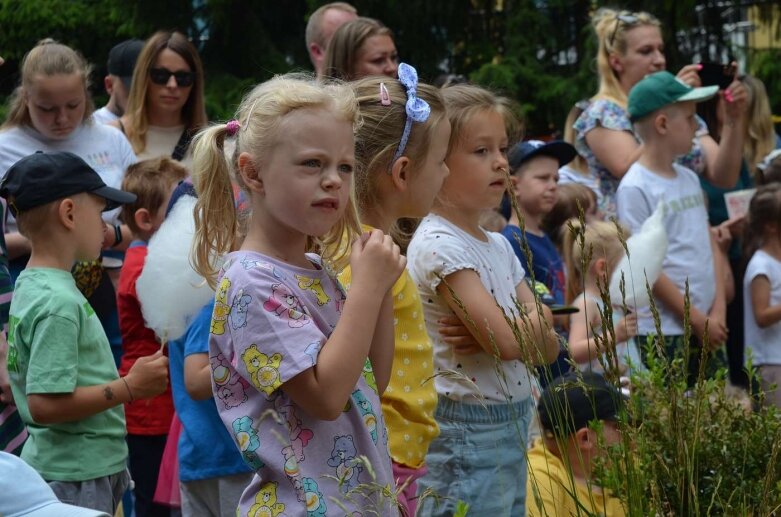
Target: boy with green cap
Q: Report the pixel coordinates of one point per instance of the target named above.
(662, 109)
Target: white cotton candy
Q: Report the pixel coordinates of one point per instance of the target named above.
(170, 291)
(647, 249)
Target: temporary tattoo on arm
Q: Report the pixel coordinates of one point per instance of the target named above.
(108, 393)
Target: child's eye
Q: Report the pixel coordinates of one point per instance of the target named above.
(481, 150)
(73, 106)
(504, 150)
(311, 163)
(46, 110)
(346, 168)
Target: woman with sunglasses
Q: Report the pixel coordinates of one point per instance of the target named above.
(166, 105)
(631, 47)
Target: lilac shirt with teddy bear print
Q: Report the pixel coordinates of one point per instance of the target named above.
(270, 320)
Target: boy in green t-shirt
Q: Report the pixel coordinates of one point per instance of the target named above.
(62, 371)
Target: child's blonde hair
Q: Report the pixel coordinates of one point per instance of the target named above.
(380, 132)
(571, 198)
(259, 116)
(760, 137)
(584, 245)
(46, 59)
(151, 181)
(611, 33)
(463, 101)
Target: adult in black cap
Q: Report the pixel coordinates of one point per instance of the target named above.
(574, 410)
(121, 62)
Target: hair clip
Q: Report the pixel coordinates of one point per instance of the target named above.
(384, 95)
(765, 163)
(417, 109)
(232, 127)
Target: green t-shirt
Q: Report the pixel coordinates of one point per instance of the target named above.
(56, 343)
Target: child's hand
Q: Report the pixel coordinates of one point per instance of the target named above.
(148, 376)
(455, 333)
(626, 327)
(376, 261)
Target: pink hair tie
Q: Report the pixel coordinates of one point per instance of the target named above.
(232, 127)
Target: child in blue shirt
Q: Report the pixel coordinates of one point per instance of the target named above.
(534, 169)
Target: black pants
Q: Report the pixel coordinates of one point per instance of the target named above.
(146, 453)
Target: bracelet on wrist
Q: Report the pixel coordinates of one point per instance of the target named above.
(130, 393)
(117, 235)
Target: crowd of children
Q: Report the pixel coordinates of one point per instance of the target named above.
(349, 362)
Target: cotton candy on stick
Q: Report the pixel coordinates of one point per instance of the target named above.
(170, 291)
(647, 249)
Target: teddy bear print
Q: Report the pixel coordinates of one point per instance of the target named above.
(263, 370)
(266, 504)
(368, 375)
(238, 310)
(284, 304)
(312, 350)
(313, 284)
(248, 441)
(249, 263)
(230, 388)
(315, 503)
(299, 436)
(343, 459)
(367, 412)
(221, 308)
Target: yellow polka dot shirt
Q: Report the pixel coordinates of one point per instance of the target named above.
(409, 401)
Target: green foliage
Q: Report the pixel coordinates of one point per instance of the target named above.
(766, 65)
(223, 95)
(539, 53)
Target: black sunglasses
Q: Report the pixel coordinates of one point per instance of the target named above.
(626, 19)
(161, 76)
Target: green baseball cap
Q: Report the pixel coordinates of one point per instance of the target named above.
(660, 89)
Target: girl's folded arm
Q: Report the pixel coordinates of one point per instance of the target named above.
(323, 390)
(482, 316)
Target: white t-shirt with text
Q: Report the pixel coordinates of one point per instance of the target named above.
(689, 254)
(103, 147)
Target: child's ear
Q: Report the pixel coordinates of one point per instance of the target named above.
(600, 267)
(660, 123)
(585, 438)
(250, 173)
(143, 220)
(400, 173)
(66, 213)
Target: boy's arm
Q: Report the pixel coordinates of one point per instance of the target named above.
(667, 292)
(383, 344)
(148, 377)
(198, 376)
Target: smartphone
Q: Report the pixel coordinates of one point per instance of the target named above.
(717, 74)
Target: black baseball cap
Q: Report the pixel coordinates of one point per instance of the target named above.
(122, 59)
(573, 400)
(524, 151)
(41, 178)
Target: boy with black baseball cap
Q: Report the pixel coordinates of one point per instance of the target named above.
(62, 371)
(561, 462)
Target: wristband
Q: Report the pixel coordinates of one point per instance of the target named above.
(128, 389)
(117, 235)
